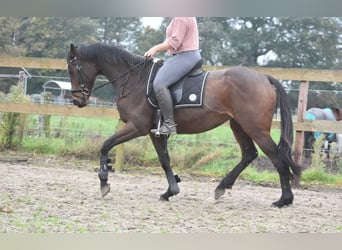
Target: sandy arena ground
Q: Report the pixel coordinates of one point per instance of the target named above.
(36, 198)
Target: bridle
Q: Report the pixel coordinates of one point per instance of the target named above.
(83, 89)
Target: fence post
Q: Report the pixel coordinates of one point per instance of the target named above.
(299, 140)
(21, 81)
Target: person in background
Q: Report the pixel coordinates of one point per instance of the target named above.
(182, 42)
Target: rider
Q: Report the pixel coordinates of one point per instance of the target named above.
(182, 42)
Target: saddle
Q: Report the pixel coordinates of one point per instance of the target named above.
(187, 92)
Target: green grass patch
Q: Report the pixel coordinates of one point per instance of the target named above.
(317, 176)
(260, 177)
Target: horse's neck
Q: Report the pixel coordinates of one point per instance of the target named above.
(125, 79)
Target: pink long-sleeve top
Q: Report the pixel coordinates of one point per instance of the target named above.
(182, 35)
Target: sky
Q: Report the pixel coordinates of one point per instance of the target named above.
(154, 22)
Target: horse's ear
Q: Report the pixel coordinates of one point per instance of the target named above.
(72, 50)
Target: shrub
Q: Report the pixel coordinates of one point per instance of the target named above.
(12, 125)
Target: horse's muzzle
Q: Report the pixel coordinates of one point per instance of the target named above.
(79, 104)
(80, 97)
(80, 101)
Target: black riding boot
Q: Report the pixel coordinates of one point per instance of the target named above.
(165, 102)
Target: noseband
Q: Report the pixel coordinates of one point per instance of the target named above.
(83, 89)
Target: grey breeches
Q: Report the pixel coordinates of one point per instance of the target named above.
(175, 68)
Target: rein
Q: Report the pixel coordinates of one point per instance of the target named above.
(123, 85)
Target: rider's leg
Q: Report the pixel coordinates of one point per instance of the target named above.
(173, 69)
(165, 102)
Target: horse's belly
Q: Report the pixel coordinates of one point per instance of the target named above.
(197, 120)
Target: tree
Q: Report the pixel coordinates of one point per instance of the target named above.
(236, 41)
(119, 31)
(305, 42)
(148, 38)
(10, 35)
(294, 42)
(213, 40)
(311, 43)
(51, 36)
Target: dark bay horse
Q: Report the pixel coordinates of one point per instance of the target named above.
(245, 97)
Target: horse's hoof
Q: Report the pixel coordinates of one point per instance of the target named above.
(219, 192)
(280, 203)
(105, 190)
(163, 198)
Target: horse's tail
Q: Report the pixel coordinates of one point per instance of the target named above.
(286, 137)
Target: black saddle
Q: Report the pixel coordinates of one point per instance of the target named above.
(187, 92)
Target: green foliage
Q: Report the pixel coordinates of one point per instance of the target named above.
(148, 38)
(308, 42)
(320, 177)
(46, 96)
(305, 42)
(317, 173)
(70, 136)
(317, 159)
(12, 125)
(287, 42)
(120, 31)
(42, 145)
(9, 36)
(260, 177)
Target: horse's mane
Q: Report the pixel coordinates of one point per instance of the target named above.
(110, 54)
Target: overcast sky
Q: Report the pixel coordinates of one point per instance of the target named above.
(154, 22)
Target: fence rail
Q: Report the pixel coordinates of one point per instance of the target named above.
(280, 73)
(62, 110)
(112, 112)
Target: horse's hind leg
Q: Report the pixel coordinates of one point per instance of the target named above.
(249, 153)
(269, 147)
(160, 144)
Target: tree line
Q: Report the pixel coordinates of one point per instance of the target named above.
(288, 42)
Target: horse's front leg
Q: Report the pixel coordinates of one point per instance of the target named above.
(160, 144)
(126, 133)
(103, 174)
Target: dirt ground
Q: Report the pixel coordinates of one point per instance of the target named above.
(47, 196)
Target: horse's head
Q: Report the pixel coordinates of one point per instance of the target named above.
(82, 75)
(337, 112)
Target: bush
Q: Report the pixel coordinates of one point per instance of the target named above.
(12, 125)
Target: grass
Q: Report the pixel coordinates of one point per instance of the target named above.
(321, 177)
(68, 135)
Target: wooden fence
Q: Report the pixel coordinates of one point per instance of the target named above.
(112, 112)
(301, 125)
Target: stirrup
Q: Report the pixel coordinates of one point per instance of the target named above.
(165, 130)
